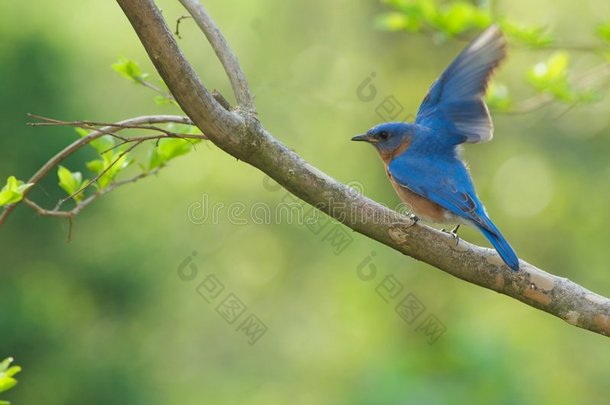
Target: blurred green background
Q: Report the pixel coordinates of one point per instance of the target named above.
(106, 319)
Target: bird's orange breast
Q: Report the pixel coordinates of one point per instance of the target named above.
(421, 206)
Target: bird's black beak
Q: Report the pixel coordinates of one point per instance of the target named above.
(362, 138)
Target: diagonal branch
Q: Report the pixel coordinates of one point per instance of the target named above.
(242, 136)
(224, 53)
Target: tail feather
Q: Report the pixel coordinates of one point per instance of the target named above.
(502, 246)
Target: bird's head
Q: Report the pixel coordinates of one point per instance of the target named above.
(389, 139)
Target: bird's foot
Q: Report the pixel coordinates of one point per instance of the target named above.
(413, 218)
(453, 233)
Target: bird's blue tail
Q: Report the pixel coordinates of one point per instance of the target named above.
(502, 246)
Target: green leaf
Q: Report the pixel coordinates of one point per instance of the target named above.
(184, 129)
(557, 66)
(109, 169)
(170, 148)
(603, 31)
(101, 144)
(410, 15)
(552, 77)
(70, 182)
(5, 364)
(535, 37)
(396, 21)
(129, 69)
(154, 159)
(7, 383)
(543, 74)
(12, 371)
(173, 147)
(460, 16)
(82, 132)
(162, 100)
(13, 191)
(95, 166)
(6, 375)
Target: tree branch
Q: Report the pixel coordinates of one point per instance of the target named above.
(242, 136)
(83, 204)
(224, 53)
(137, 122)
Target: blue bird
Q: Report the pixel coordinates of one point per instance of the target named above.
(422, 159)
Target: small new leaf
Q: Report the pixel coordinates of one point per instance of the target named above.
(70, 182)
(109, 166)
(534, 37)
(12, 192)
(169, 148)
(101, 144)
(184, 129)
(6, 375)
(449, 19)
(396, 21)
(459, 17)
(162, 100)
(551, 77)
(603, 31)
(129, 69)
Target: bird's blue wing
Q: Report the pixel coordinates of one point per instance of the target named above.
(455, 101)
(448, 184)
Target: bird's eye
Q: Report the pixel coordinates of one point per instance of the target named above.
(383, 135)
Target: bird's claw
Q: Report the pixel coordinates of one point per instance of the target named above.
(413, 218)
(453, 233)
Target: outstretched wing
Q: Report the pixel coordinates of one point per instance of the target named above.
(455, 100)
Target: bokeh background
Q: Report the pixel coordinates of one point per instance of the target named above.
(105, 318)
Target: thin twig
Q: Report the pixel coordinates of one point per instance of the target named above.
(223, 51)
(94, 125)
(100, 174)
(178, 21)
(79, 143)
(186, 137)
(83, 204)
(45, 212)
(221, 100)
(157, 90)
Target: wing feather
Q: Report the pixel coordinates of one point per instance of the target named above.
(457, 97)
